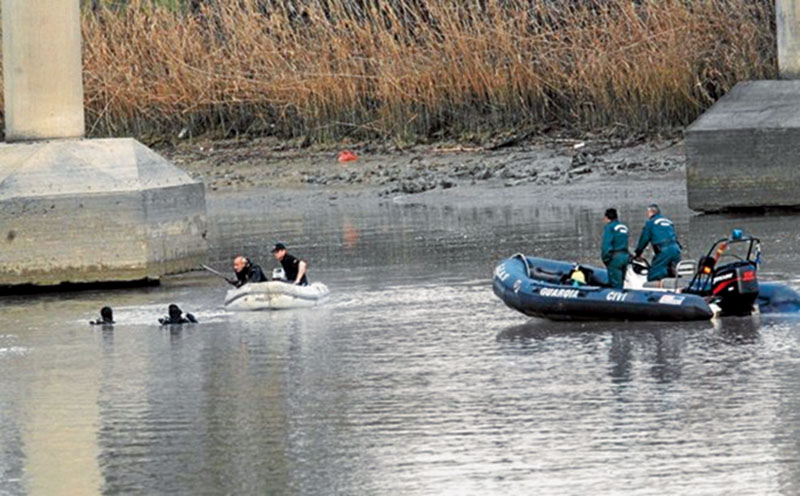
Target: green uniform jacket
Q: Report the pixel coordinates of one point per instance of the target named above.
(615, 241)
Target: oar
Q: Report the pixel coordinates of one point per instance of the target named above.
(220, 274)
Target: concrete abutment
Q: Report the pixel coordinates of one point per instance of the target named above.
(73, 210)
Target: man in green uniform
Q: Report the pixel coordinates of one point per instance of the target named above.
(615, 248)
(659, 232)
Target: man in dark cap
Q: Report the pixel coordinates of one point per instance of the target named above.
(615, 248)
(660, 232)
(294, 268)
(246, 271)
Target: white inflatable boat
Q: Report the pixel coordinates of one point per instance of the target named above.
(275, 295)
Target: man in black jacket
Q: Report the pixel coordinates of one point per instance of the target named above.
(294, 268)
(246, 271)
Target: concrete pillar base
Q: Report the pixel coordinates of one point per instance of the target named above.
(744, 152)
(83, 211)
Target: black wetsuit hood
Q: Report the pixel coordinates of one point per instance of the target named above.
(106, 317)
(176, 317)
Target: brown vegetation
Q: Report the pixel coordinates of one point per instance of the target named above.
(411, 69)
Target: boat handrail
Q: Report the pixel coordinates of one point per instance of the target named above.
(525, 262)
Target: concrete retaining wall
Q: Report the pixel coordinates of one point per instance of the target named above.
(744, 152)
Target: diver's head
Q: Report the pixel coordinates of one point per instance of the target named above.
(106, 314)
(175, 311)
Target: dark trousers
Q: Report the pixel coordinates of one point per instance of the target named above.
(664, 263)
(616, 270)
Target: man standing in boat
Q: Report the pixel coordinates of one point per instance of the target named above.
(615, 248)
(246, 271)
(294, 268)
(660, 232)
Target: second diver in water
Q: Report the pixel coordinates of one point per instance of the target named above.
(106, 317)
(176, 317)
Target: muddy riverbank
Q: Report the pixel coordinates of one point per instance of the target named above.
(229, 166)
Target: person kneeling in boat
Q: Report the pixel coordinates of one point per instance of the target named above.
(176, 317)
(294, 268)
(660, 232)
(615, 248)
(246, 272)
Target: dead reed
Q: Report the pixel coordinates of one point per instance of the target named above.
(416, 69)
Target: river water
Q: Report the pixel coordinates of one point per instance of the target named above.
(413, 379)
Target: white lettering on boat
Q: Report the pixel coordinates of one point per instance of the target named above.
(615, 296)
(669, 299)
(559, 292)
(500, 272)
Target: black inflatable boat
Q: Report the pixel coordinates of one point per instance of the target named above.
(724, 282)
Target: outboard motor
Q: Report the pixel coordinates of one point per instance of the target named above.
(735, 288)
(732, 286)
(278, 274)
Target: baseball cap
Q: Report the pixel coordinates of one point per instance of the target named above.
(278, 247)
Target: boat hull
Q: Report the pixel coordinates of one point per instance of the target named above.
(275, 295)
(553, 300)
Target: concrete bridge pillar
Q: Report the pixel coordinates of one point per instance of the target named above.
(787, 13)
(42, 76)
(74, 210)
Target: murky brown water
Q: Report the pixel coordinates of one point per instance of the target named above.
(414, 379)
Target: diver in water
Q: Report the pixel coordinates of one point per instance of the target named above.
(246, 271)
(106, 317)
(176, 317)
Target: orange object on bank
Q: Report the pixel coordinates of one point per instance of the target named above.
(347, 156)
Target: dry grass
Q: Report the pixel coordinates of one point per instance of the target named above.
(411, 69)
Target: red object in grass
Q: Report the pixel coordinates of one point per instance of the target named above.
(347, 156)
